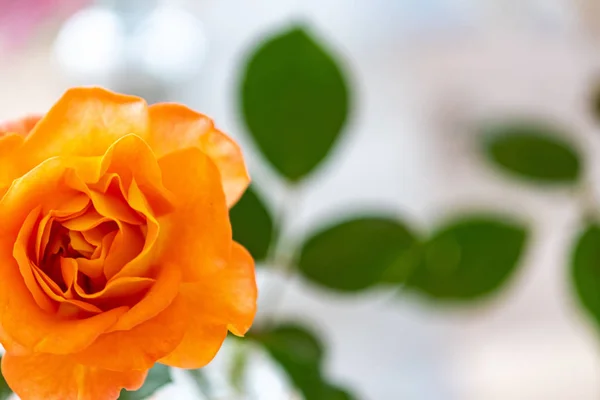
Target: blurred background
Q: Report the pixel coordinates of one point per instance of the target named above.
(417, 77)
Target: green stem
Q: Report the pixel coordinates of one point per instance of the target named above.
(281, 254)
(587, 199)
(202, 382)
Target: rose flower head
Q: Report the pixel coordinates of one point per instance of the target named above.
(116, 249)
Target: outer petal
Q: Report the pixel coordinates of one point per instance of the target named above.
(197, 235)
(83, 122)
(50, 377)
(20, 126)
(174, 127)
(226, 299)
(200, 344)
(9, 143)
(140, 347)
(231, 294)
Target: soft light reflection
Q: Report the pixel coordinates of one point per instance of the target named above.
(170, 44)
(161, 46)
(89, 46)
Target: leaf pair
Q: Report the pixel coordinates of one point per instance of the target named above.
(466, 258)
(537, 152)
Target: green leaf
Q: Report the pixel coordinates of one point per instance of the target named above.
(534, 151)
(158, 377)
(585, 270)
(5, 391)
(294, 101)
(299, 352)
(252, 224)
(468, 258)
(357, 254)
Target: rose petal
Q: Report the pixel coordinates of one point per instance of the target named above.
(88, 220)
(160, 295)
(8, 170)
(20, 126)
(11, 345)
(140, 347)
(51, 377)
(94, 268)
(199, 346)
(24, 263)
(227, 155)
(72, 208)
(229, 295)
(140, 177)
(233, 292)
(197, 235)
(12, 134)
(225, 299)
(115, 208)
(133, 160)
(65, 306)
(128, 244)
(78, 305)
(43, 186)
(95, 236)
(43, 236)
(140, 265)
(79, 244)
(69, 269)
(174, 127)
(85, 122)
(110, 199)
(123, 287)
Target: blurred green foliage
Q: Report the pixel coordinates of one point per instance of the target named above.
(300, 353)
(295, 101)
(5, 391)
(238, 367)
(585, 270)
(354, 254)
(532, 150)
(202, 382)
(252, 224)
(468, 257)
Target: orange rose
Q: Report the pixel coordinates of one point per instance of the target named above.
(115, 245)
